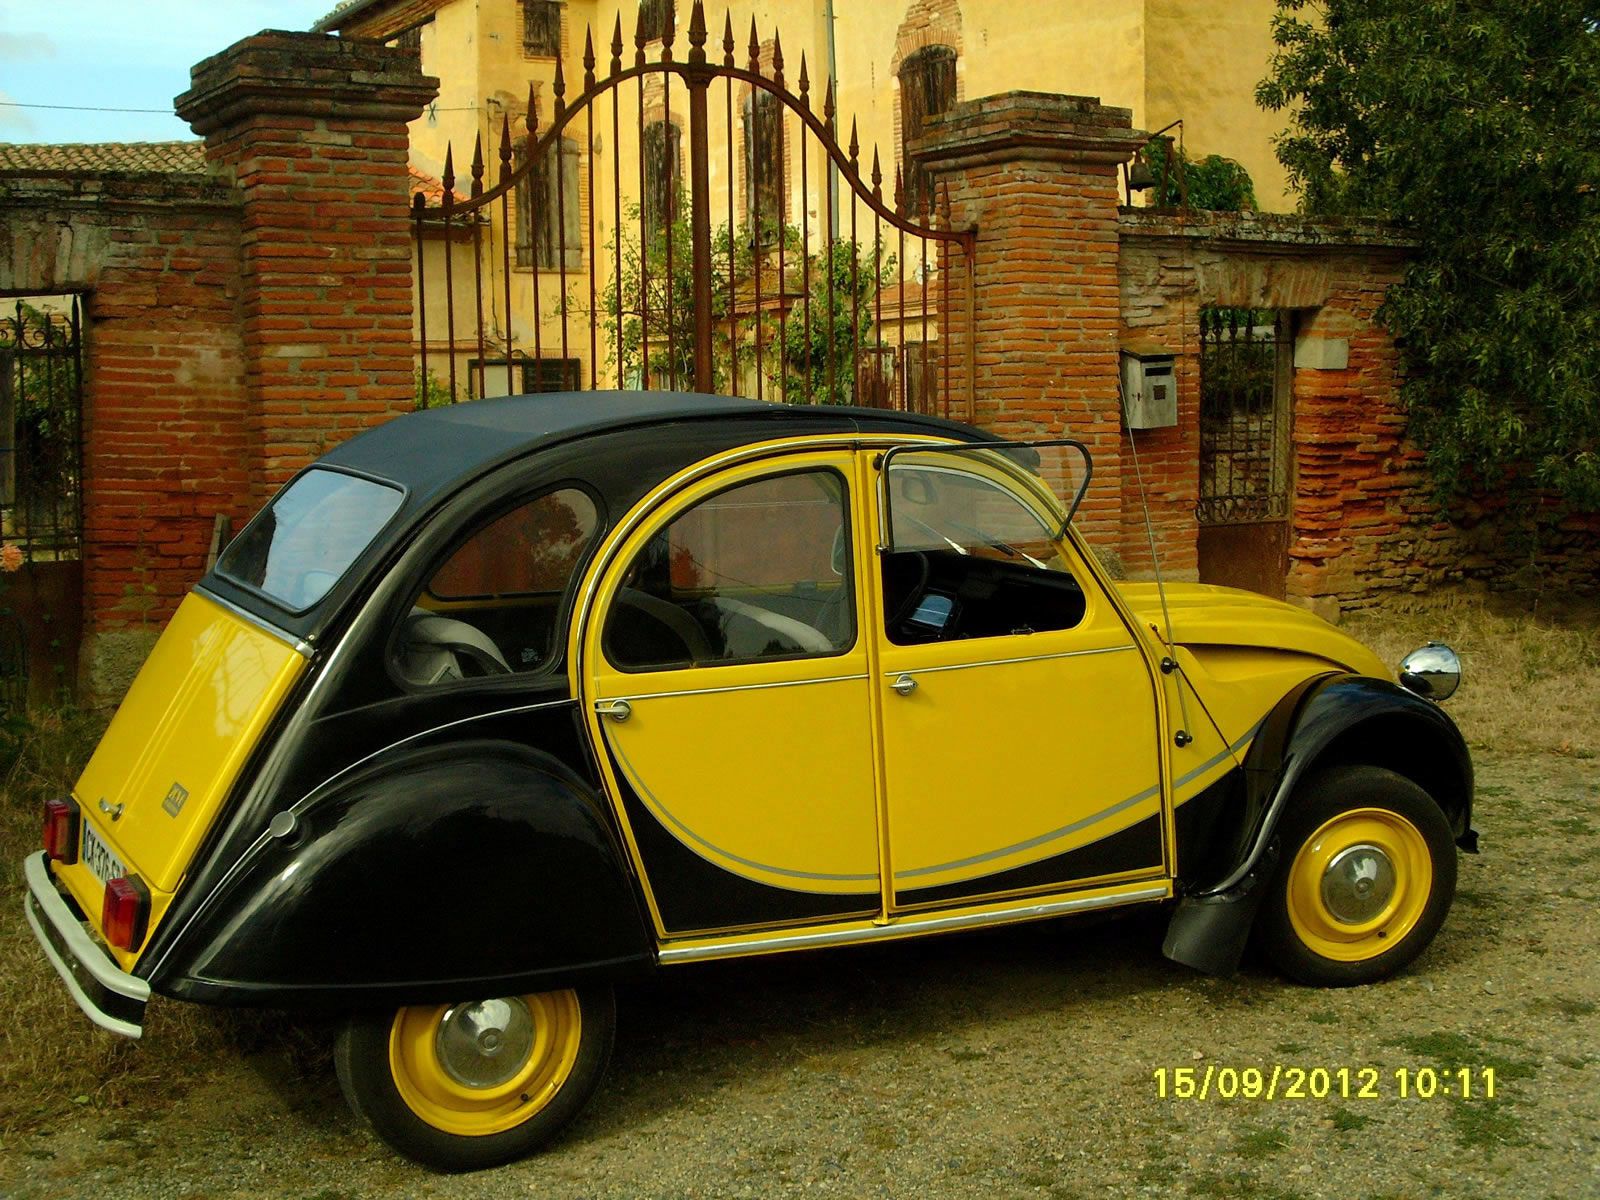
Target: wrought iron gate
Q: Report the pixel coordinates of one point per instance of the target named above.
(773, 283)
(41, 499)
(1245, 476)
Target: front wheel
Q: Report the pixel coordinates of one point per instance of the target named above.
(459, 1087)
(1366, 876)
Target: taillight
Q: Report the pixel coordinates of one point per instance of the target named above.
(125, 912)
(61, 830)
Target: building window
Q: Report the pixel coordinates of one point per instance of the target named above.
(541, 28)
(663, 175)
(549, 220)
(927, 88)
(653, 16)
(527, 374)
(763, 160)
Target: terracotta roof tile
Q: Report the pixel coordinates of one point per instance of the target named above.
(431, 188)
(100, 158)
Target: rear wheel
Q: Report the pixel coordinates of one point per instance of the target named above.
(463, 1086)
(1366, 876)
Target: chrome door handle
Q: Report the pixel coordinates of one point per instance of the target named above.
(904, 684)
(617, 710)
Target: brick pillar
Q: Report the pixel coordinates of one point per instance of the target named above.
(313, 131)
(1037, 175)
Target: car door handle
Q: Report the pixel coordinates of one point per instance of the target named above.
(904, 684)
(617, 710)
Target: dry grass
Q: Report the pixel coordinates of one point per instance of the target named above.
(1529, 681)
(51, 1058)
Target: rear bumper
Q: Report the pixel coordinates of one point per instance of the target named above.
(108, 995)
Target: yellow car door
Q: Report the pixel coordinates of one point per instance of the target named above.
(1020, 733)
(727, 690)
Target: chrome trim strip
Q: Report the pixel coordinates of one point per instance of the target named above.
(804, 941)
(737, 687)
(1000, 662)
(44, 897)
(686, 833)
(422, 733)
(301, 646)
(1030, 843)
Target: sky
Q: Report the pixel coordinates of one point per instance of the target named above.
(122, 54)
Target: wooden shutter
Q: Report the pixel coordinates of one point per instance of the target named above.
(541, 28)
(927, 88)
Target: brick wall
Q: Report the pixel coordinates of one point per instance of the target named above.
(157, 261)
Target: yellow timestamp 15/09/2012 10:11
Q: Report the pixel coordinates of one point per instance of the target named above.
(1282, 1082)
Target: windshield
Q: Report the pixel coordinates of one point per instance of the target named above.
(306, 539)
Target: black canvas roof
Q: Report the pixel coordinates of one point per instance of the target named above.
(439, 449)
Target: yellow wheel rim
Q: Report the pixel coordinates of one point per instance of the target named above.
(484, 1067)
(1359, 884)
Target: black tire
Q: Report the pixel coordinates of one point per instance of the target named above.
(367, 1075)
(1350, 806)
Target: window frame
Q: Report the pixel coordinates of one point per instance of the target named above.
(458, 535)
(755, 100)
(913, 77)
(546, 8)
(529, 368)
(531, 251)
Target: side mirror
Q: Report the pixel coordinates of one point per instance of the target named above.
(1432, 672)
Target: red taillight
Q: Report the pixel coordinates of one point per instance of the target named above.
(61, 830)
(125, 912)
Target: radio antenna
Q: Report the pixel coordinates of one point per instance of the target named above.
(1169, 664)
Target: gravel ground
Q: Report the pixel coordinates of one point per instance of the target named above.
(1017, 1063)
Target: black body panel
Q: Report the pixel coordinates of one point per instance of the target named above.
(478, 868)
(1138, 847)
(694, 895)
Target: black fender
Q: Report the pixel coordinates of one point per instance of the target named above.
(1326, 721)
(448, 873)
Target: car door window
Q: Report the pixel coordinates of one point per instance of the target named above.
(758, 571)
(491, 608)
(966, 557)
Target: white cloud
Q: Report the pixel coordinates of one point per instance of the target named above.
(14, 122)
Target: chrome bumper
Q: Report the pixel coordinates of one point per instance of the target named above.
(108, 995)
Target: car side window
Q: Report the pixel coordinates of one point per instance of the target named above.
(492, 607)
(970, 559)
(759, 571)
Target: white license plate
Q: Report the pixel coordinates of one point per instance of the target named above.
(98, 858)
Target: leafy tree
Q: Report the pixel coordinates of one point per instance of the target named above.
(837, 335)
(1213, 183)
(1476, 123)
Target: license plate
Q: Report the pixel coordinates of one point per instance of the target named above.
(97, 856)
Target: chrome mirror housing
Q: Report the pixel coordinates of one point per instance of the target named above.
(1432, 672)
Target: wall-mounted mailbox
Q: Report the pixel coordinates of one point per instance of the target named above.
(1149, 388)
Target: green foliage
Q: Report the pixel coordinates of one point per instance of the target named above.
(1213, 183)
(837, 332)
(1477, 125)
(790, 365)
(431, 391)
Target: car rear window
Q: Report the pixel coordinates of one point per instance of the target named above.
(301, 544)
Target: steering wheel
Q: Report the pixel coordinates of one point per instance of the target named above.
(436, 648)
(908, 605)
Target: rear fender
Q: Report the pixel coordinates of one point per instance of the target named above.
(478, 868)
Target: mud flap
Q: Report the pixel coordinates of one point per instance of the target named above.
(1209, 933)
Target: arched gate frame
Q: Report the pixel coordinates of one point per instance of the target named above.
(775, 309)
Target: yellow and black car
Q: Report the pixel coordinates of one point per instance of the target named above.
(498, 705)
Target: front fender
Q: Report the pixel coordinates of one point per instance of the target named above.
(1326, 721)
(479, 868)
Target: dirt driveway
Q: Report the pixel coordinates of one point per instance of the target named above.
(1021, 1063)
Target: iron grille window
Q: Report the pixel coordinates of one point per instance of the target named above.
(531, 375)
(549, 221)
(1246, 366)
(927, 88)
(663, 173)
(541, 28)
(41, 389)
(763, 159)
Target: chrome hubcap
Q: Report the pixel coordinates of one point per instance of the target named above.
(484, 1044)
(1358, 884)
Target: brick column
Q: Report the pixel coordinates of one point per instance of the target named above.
(313, 131)
(1037, 175)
